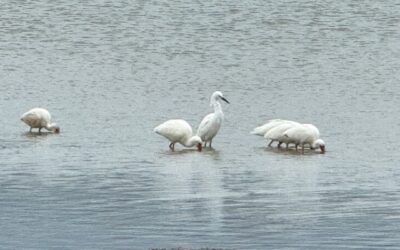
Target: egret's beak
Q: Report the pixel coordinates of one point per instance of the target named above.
(223, 98)
(199, 147)
(322, 147)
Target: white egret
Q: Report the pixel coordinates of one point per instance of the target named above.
(211, 123)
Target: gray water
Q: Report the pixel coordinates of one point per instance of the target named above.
(110, 71)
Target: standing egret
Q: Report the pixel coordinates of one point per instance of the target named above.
(39, 118)
(178, 131)
(211, 123)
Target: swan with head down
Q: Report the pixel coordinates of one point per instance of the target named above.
(179, 131)
(39, 118)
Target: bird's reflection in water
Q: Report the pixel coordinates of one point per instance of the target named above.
(183, 151)
(215, 154)
(36, 136)
(291, 151)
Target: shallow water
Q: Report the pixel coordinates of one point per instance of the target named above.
(109, 72)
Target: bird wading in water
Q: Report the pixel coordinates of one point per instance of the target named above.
(39, 118)
(211, 123)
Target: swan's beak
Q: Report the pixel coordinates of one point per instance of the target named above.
(322, 147)
(57, 131)
(199, 147)
(223, 98)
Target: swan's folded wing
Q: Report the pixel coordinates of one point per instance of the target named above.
(29, 117)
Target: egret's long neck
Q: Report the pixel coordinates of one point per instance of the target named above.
(217, 108)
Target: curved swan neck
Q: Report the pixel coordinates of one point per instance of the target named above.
(53, 127)
(191, 142)
(50, 126)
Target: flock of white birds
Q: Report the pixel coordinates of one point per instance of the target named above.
(284, 131)
(179, 131)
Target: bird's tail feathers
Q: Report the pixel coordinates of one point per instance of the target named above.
(257, 131)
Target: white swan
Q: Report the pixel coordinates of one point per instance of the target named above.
(305, 134)
(261, 130)
(211, 123)
(264, 129)
(178, 131)
(39, 118)
(313, 129)
(277, 133)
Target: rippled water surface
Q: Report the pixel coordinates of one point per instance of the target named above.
(110, 71)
